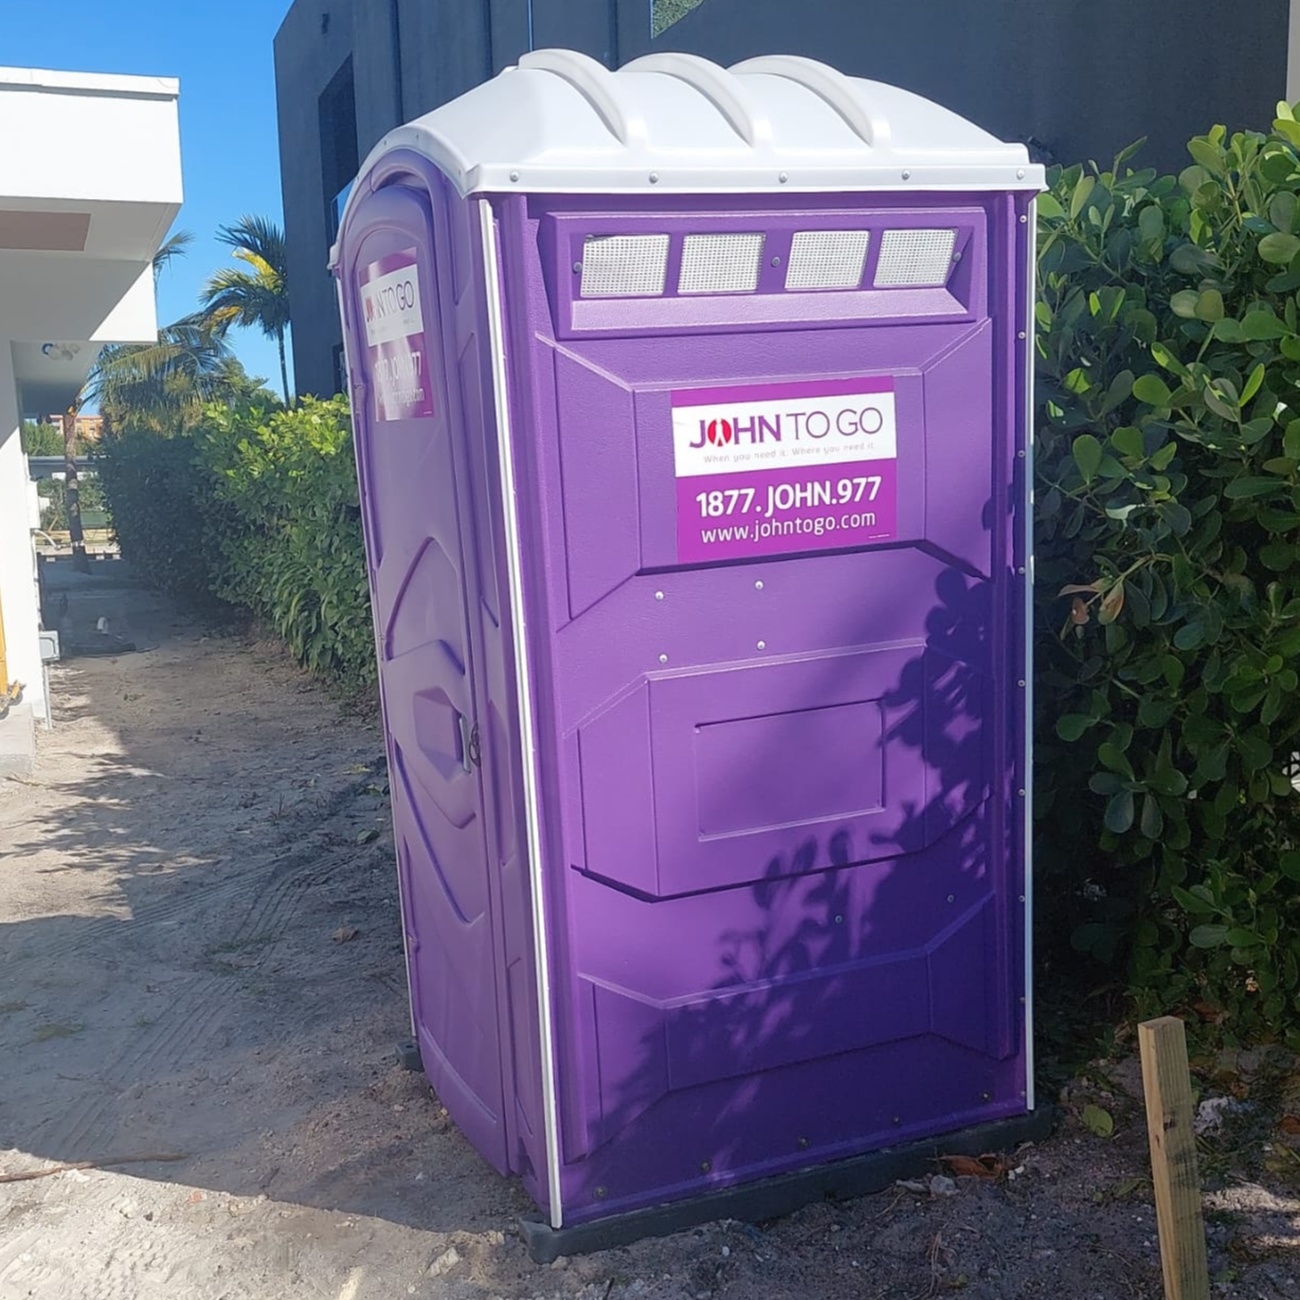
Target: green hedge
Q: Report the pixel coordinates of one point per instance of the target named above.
(257, 509)
(155, 491)
(288, 542)
(1168, 582)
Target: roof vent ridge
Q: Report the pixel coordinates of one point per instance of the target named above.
(728, 94)
(829, 85)
(598, 86)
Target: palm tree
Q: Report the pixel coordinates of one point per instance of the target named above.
(164, 384)
(258, 296)
(161, 384)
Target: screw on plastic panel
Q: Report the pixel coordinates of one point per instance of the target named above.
(839, 920)
(1021, 793)
(956, 257)
(1021, 335)
(1020, 174)
(1021, 570)
(1022, 899)
(1023, 219)
(1021, 683)
(803, 1144)
(705, 1166)
(783, 178)
(654, 178)
(986, 1096)
(907, 176)
(952, 898)
(762, 645)
(514, 176)
(577, 270)
(600, 1193)
(776, 261)
(663, 659)
(758, 586)
(1021, 453)
(898, 1119)
(659, 595)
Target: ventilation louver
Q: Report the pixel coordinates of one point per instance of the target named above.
(827, 259)
(915, 258)
(720, 263)
(624, 266)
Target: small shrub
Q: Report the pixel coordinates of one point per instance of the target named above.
(1168, 576)
(40, 438)
(155, 488)
(287, 540)
(257, 509)
(54, 497)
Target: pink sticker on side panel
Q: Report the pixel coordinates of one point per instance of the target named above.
(393, 316)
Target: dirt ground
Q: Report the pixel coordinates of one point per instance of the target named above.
(200, 960)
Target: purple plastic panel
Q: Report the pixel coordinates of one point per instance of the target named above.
(784, 882)
(779, 803)
(436, 566)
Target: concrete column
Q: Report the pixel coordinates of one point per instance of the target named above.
(1293, 54)
(18, 600)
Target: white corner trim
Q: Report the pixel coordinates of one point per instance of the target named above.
(1293, 53)
(527, 738)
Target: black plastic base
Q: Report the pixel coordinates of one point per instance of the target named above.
(785, 1193)
(408, 1055)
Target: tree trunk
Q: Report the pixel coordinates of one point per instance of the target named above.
(284, 370)
(80, 561)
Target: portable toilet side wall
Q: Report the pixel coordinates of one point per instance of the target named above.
(691, 414)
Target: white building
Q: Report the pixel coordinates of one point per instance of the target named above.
(90, 182)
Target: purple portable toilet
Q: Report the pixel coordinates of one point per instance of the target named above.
(691, 412)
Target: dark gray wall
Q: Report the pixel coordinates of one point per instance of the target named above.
(445, 49)
(1083, 77)
(306, 58)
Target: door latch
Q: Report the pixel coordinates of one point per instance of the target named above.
(470, 750)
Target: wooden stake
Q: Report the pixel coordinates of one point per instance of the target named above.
(1168, 1089)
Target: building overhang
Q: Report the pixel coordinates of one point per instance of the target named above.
(90, 183)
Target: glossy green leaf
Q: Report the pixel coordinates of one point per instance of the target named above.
(1127, 440)
(1082, 190)
(1087, 456)
(1049, 207)
(1152, 390)
(1070, 726)
(1119, 812)
(1279, 248)
(1250, 487)
(1261, 325)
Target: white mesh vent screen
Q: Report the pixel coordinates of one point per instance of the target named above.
(827, 259)
(915, 257)
(624, 265)
(720, 263)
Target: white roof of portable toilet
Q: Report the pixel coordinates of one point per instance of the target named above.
(561, 123)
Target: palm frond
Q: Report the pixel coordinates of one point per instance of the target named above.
(167, 378)
(255, 298)
(259, 236)
(174, 246)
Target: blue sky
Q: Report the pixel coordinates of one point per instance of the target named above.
(221, 52)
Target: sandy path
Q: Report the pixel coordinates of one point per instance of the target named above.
(172, 882)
